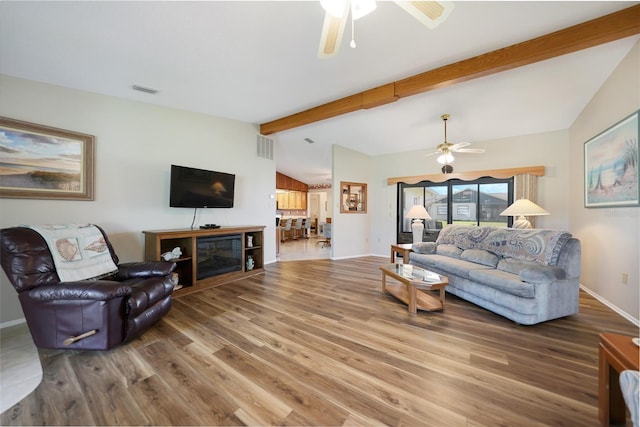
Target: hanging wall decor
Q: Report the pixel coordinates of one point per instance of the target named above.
(42, 162)
(611, 166)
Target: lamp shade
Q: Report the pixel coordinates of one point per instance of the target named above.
(418, 211)
(522, 208)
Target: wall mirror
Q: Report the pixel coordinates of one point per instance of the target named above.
(353, 197)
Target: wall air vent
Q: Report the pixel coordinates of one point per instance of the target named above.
(264, 147)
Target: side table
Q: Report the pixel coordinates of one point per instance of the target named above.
(401, 248)
(616, 353)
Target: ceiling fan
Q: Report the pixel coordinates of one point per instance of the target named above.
(429, 13)
(446, 149)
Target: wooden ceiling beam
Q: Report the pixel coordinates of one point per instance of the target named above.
(608, 28)
(380, 95)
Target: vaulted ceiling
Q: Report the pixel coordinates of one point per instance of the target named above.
(257, 62)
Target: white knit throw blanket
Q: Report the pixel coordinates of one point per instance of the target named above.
(79, 251)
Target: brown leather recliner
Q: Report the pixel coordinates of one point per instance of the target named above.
(87, 314)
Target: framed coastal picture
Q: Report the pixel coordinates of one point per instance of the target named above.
(41, 162)
(611, 172)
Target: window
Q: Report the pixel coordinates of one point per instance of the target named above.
(462, 211)
(477, 202)
(354, 197)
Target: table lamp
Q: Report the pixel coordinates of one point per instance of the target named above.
(523, 208)
(418, 213)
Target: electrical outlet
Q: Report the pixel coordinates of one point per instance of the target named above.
(625, 278)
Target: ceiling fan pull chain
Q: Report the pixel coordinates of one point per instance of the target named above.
(353, 33)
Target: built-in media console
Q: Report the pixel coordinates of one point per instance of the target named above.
(210, 256)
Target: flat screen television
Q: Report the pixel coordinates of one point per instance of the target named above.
(200, 188)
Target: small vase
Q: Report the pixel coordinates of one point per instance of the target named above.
(249, 241)
(250, 263)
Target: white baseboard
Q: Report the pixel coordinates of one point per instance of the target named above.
(358, 256)
(611, 306)
(12, 323)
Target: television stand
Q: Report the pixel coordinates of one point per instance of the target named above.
(159, 241)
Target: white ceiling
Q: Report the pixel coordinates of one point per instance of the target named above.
(257, 61)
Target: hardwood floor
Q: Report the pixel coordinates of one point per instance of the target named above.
(317, 343)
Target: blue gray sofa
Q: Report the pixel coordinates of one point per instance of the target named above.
(528, 276)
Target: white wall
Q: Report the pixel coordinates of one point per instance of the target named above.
(549, 149)
(324, 203)
(350, 231)
(135, 145)
(610, 236)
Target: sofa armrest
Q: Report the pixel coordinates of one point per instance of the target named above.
(424, 247)
(96, 290)
(542, 274)
(135, 270)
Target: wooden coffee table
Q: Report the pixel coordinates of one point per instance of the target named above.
(414, 281)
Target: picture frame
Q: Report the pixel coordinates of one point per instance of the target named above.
(611, 171)
(43, 162)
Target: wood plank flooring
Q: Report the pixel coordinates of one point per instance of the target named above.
(317, 343)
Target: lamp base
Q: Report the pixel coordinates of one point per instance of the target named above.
(417, 227)
(521, 223)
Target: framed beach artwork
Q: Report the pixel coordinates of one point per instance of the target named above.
(611, 172)
(41, 162)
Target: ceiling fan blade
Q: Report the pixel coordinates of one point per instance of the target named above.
(432, 154)
(470, 150)
(459, 145)
(332, 30)
(429, 13)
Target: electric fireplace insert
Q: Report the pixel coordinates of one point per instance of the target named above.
(218, 255)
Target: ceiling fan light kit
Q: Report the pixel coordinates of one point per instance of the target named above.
(446, 158)
(429, 13)
(446, 149)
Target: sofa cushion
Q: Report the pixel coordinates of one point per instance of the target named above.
(504, 282)
(541, 274)
(480, 256)
(449, 250)
(423, 260)
(424, 247)
(456, 266)
(515, 265)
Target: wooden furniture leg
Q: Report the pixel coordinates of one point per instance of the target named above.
(442, 293)
(413, 296)
(384, 283)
